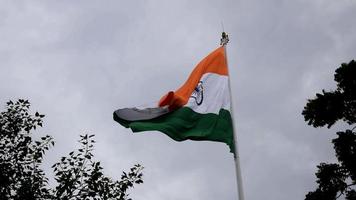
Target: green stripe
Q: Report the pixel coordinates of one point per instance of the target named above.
(184, 124)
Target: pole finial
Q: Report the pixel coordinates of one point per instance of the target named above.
(224, 38)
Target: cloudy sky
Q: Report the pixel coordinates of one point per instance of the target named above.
(78, 61)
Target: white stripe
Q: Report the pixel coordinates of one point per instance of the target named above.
(213, 89)
(133, 114)
(215, 93)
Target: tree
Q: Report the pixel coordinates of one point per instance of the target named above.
(77, 175)
(336, 179)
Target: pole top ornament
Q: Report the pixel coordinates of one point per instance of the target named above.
(224, 39)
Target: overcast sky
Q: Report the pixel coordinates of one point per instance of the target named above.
(78, 61)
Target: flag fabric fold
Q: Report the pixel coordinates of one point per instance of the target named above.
(198, 110)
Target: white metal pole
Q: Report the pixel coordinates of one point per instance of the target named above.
(236, 157)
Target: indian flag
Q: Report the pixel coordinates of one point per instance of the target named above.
(198, 110)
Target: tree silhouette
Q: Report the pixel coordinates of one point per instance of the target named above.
(77, 175)
(336, 180)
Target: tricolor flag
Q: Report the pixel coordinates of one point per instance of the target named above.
(198, 110)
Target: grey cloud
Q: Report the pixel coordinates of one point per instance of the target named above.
(79, 61)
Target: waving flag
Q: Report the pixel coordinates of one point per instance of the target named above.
(198, 110)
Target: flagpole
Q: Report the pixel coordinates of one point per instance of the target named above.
(224, 40)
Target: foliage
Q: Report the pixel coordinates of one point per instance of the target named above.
(78, 176)
(329, 107)
(20, 156)
(336, 179)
